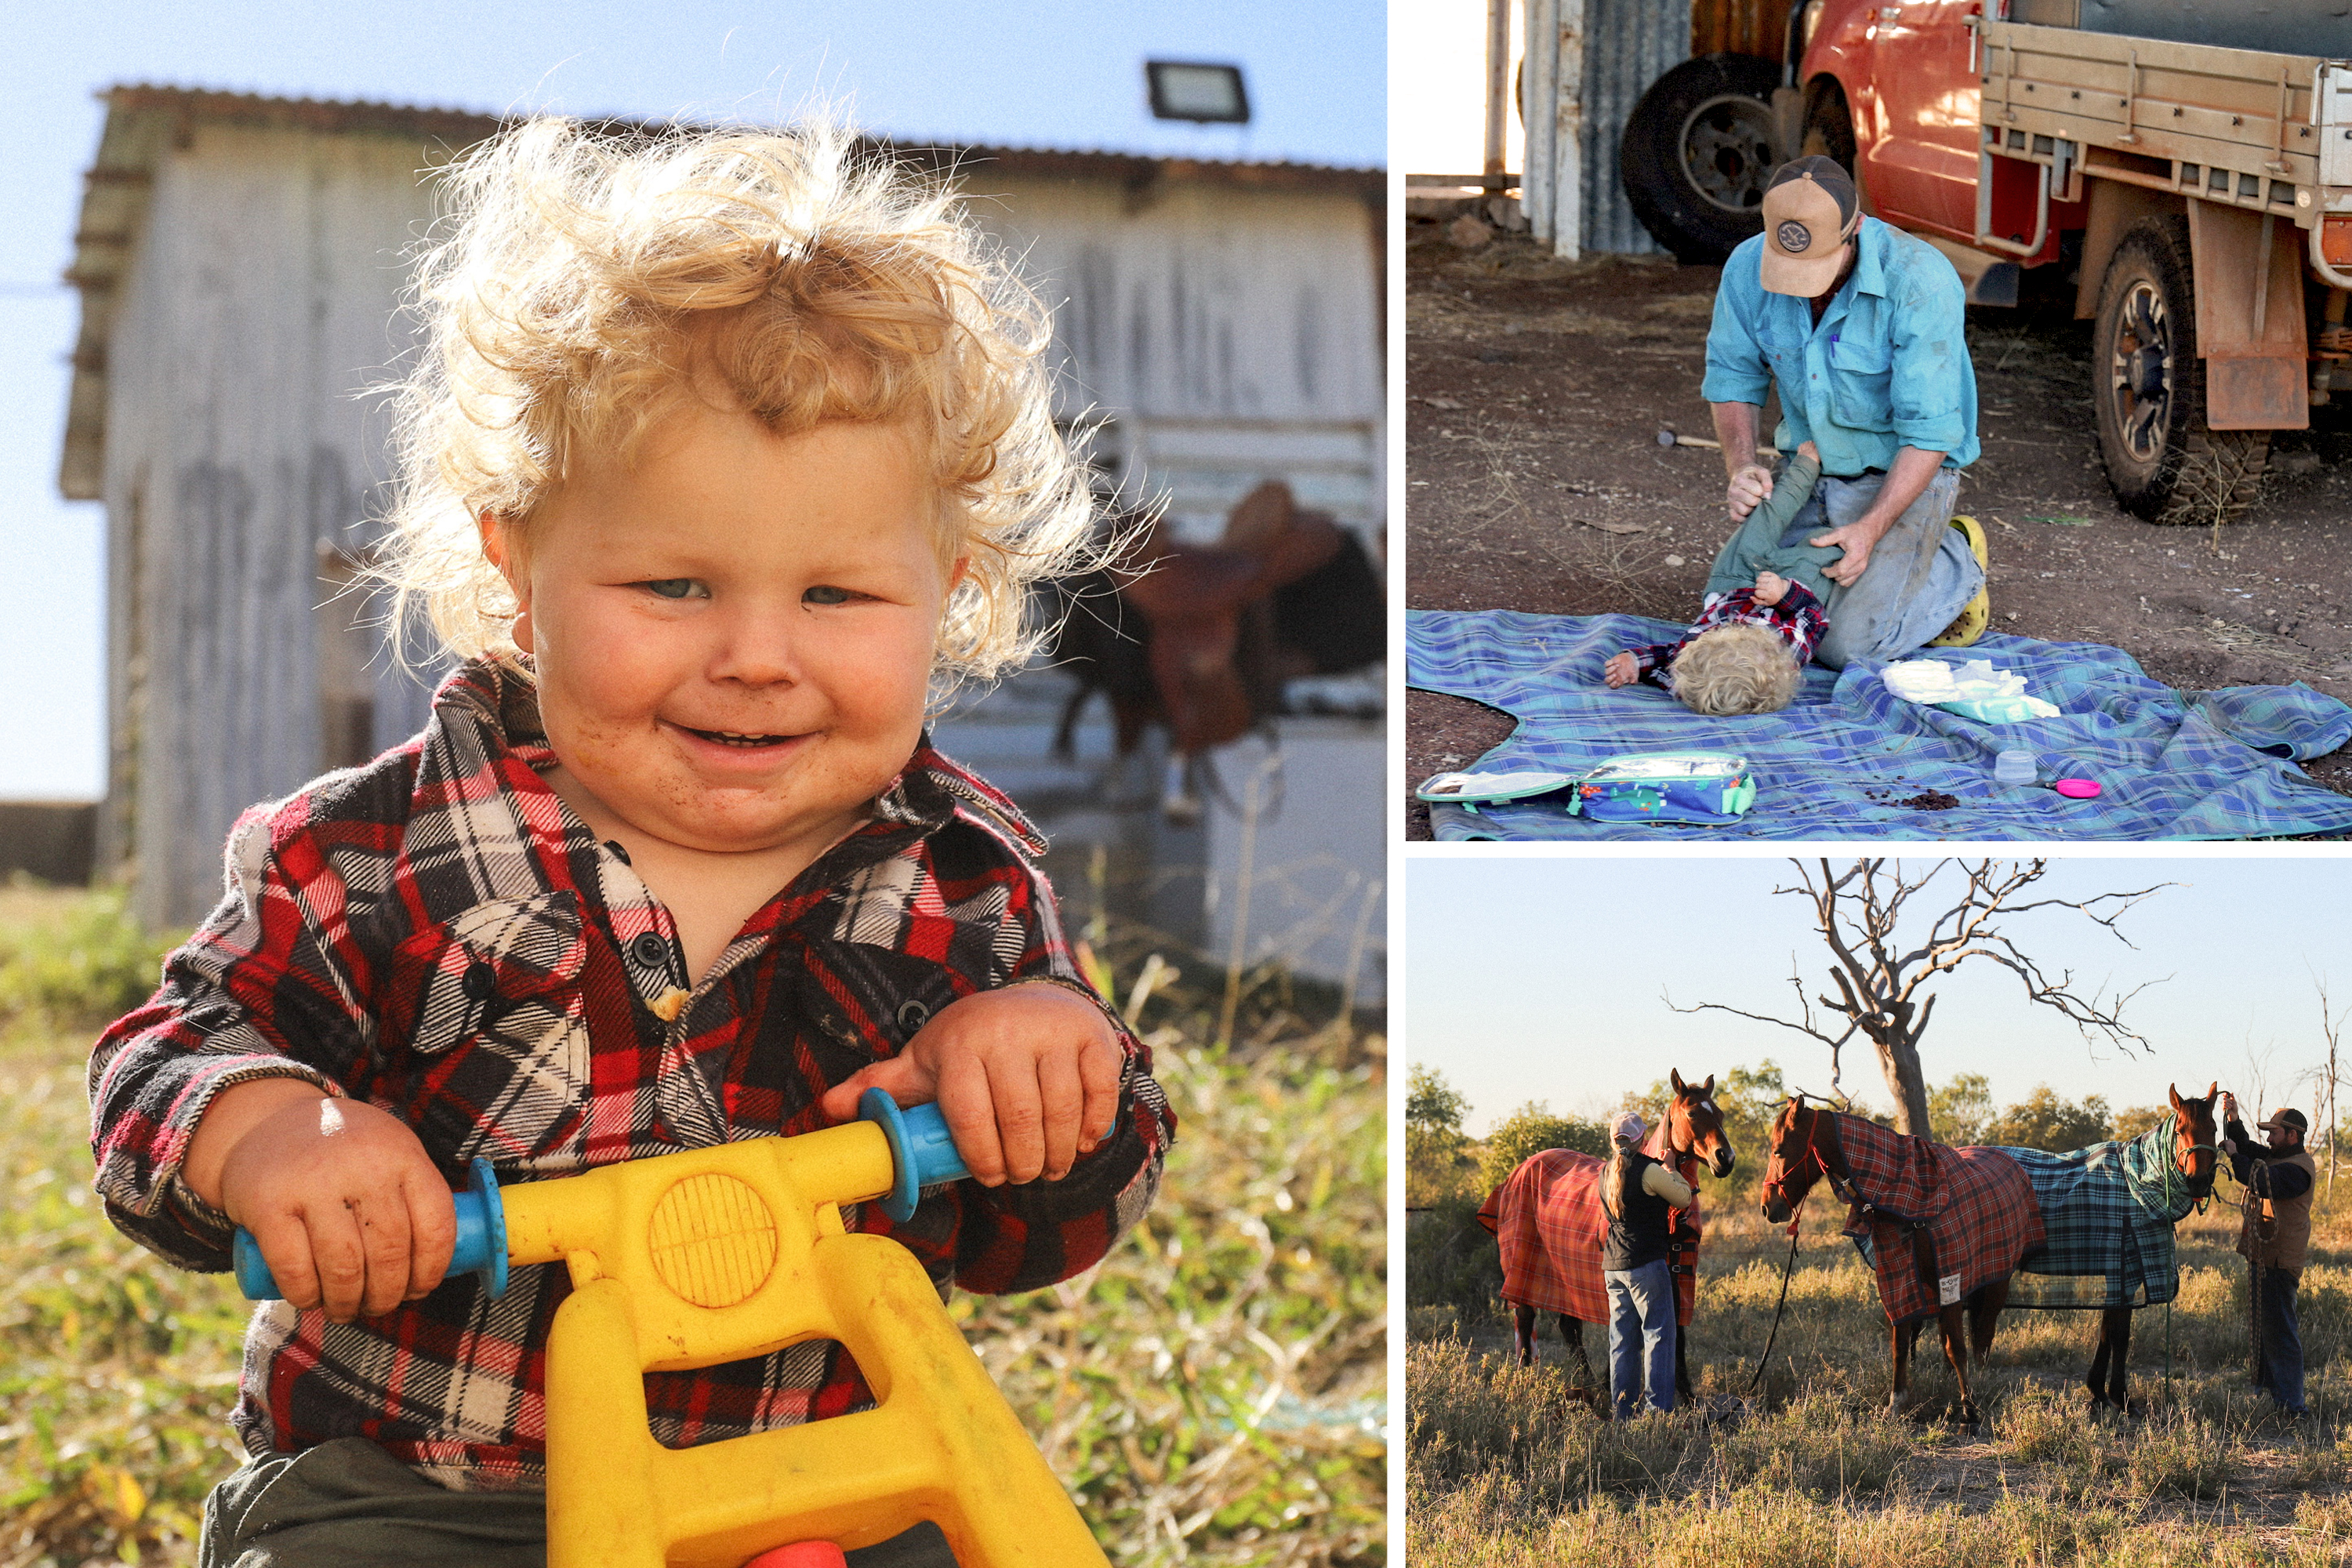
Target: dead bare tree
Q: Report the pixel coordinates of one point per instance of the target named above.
(1881, 974)
(2331, 1025)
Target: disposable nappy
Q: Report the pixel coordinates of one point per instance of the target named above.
(1974, 689)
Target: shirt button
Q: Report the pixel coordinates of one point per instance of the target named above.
(913, 1014)
(650, 950)
(481, 982)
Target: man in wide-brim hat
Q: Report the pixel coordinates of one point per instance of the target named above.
(1862, 328)
(2274, 1239)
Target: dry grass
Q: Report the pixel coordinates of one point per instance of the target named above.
(1507, 1466)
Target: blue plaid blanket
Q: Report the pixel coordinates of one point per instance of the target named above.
(2107, 1214)
(1841, 760)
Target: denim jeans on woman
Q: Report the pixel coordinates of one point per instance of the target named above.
(1641, 1337)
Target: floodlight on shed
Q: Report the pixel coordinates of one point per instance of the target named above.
(1188, 89)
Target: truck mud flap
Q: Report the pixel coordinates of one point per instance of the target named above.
(2249, 325)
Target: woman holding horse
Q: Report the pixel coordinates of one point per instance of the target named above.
(1639, 1195)
(1547, 1219)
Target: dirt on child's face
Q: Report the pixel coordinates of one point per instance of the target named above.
(734, 631)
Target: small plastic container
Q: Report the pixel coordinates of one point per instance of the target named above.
(2015, 768)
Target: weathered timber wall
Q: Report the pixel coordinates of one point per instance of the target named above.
(1224, 336)
(259, 307)
(1228, 335)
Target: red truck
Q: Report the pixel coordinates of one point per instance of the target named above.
(2181, 174)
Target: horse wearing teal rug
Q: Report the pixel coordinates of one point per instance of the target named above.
(2107, 1214)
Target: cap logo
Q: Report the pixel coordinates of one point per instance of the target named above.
(1794, 237)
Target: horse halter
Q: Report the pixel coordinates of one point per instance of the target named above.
(2192, 1151)
(1675, 1111)
(1776, 1187)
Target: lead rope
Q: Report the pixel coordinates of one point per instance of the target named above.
(1786, 1270)
(2171, 1170)
(1795, 1219)
(2203, 1200)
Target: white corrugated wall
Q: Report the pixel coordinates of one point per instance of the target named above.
(260, 305)
(1232, 335)
(1589, 61)
(1229, 333)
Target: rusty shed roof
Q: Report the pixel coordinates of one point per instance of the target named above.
(145, 122)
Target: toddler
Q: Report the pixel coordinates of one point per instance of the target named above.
(727, 452)
(1760, 623)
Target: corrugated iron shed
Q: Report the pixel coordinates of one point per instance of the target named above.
(1588, 63)
(239, 261)
(145, 121)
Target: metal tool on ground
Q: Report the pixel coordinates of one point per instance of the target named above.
(1667, 437)
(717, 1254)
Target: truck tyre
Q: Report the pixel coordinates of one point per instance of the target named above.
(1697, 151)
(2148, 386)
(1829, 126)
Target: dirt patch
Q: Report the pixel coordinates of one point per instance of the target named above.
(1536, 390)
(1930, 800)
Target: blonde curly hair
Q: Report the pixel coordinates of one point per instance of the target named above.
(584, 286)
(1738, 668)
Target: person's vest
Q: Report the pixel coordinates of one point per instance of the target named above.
(2276, 1232)
(1638, 1235)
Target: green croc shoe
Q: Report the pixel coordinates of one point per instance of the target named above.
(1977, 615)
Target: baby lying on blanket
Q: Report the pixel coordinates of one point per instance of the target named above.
(1747, 649)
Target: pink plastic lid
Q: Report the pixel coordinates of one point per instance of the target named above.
(2077, 789)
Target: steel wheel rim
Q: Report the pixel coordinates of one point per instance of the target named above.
(1726, 147)
(2139, 371)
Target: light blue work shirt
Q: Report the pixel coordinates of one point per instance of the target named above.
(1887, 366)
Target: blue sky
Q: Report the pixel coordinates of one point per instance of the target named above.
(1541, 978)
(1043, 73)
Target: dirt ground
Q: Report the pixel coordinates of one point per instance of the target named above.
(1536, 390)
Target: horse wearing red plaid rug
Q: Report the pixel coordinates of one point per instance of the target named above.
(1547, 1215)
(1943, 1228)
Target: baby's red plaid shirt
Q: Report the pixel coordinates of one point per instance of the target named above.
(437, 934)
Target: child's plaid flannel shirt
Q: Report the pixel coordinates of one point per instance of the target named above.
(436, 933)
(1797, 620)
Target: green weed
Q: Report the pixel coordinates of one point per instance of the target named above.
(70, 961)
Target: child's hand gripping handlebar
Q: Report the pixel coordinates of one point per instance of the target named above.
(922, 1154)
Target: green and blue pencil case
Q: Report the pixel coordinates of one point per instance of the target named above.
(1708, 788)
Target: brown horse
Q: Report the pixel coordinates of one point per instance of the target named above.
(1694, 1129)
(2083, 1231)
(1807, 1145)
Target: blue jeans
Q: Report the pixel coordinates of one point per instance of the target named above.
(1641, 1337)
(1921, 573)
(2282, 1370)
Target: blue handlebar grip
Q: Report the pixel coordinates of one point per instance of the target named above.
(922, 1153)
(481, 1242)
